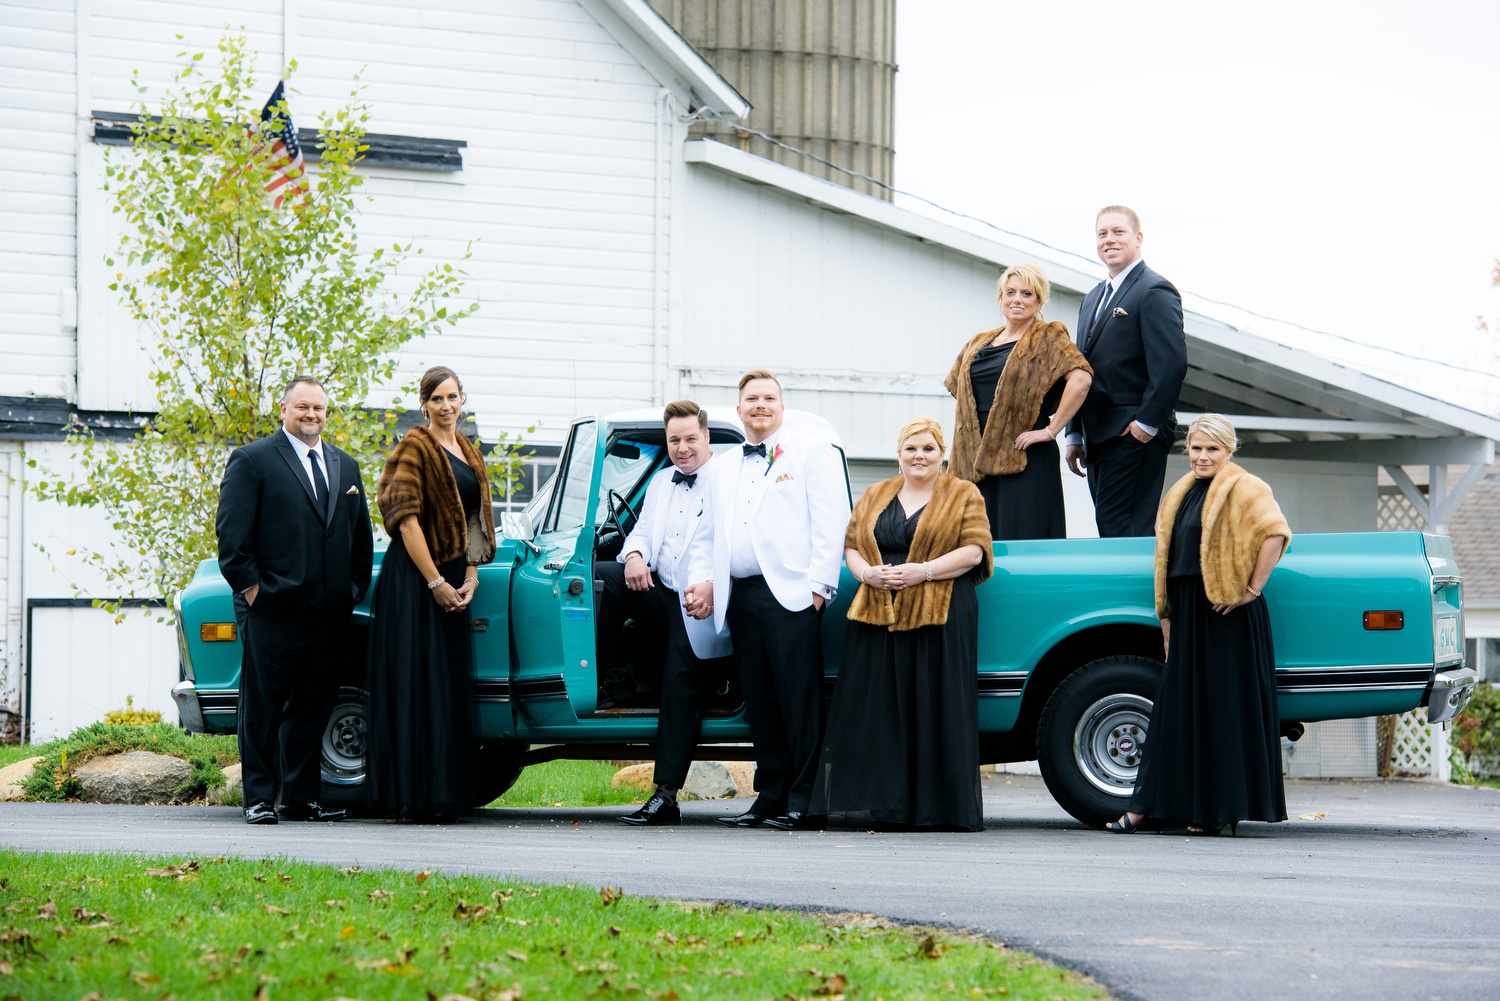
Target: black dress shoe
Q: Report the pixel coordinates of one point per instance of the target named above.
(659, 811)
(312, 812)
(743, 820)
(260, 813)
(794, 820)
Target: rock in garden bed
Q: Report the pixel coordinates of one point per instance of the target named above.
(705, 779)
(13, 775)
(133, 777)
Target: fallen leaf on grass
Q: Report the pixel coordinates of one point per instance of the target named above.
(930, 948)
(350, 870)
(464, 911)
(259, 878)
(335, 903)
(422, 876)
(378, 895)
(609, 894)
(347, 933)
(273, 909)
(284, 877)
(48, 911)
(1310, 816)
(261, 994)
(519, 957)
(833, 986)
(84, 914)
(501, 897)
(6, 969)
(662, 935)
(614, 930)
(143, 978)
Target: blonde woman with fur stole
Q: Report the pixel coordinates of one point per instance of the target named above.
(902, 743)
(1213, 750)
(434, 496)
(1017, 387)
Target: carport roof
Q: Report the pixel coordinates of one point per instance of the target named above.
(1288, 400)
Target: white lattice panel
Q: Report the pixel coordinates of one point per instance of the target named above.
(1419, 748)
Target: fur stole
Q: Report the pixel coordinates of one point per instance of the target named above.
(418, 483)
(1043, 355)
(955, 517)
(1239, 515)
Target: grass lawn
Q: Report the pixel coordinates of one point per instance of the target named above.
(568, 783)
(11, 753)
(148, 928)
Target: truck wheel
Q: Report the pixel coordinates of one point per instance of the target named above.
(1092, 733)
(497, 765)
(343, 752)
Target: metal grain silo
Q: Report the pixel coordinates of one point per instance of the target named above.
(820, 74)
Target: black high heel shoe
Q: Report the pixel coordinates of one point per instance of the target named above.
(1124, 825)
(1214, 830)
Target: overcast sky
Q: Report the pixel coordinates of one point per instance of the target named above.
(1329, 163)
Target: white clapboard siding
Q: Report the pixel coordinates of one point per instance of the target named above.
(37, 245)
(558, 192)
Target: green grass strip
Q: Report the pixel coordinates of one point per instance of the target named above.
(568, 783)
(137, 928)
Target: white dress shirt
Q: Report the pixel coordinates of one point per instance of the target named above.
(752, 483)
(1111, 287)
(301, 448)
(683, 507)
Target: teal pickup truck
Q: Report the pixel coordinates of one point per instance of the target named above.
(1069, 645)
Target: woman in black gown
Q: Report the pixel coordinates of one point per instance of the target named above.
(1017, 387)
(901, 748)
(435, 499)
(1213, 747)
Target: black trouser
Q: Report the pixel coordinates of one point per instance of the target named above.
(288, 680)
(779, 656)
(683, 683)
(1125, 479)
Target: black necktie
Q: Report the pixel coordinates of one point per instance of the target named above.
(320, 484)
(750, 449)
(1109, 291)
(678, 476)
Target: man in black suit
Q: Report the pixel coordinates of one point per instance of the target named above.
(1130, 330)
(295, 545)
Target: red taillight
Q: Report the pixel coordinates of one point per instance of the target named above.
(225, 632)
(1388, 619)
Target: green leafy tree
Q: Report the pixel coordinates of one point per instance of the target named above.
(239, 296)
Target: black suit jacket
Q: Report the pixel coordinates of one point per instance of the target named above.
(1139, 358)
(272, 533)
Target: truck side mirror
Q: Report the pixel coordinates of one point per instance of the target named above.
(517, 525)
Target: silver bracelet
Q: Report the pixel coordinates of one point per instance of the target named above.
(928, 568)
(432, 585)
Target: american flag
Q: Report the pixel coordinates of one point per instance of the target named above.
(279, 139)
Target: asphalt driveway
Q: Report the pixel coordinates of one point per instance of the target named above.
(1393, 893)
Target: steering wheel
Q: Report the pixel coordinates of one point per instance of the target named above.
(610, 535)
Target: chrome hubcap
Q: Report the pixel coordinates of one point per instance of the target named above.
(344, 745)
(1109, 740)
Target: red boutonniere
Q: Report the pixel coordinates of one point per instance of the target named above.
(772, 461)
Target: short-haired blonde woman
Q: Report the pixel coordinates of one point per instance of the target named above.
(1213, 749)
(902, 744)
(1017, 387)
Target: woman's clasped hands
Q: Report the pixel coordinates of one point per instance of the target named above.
(895, 577)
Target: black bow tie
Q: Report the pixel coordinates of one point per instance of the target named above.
(678, 476)
(750, 450)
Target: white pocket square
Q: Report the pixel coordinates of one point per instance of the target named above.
(1119, 312)
(352, 490)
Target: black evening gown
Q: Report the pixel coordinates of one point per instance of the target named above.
(1213, 749)
(901, 748)
(1028, 504)
(419, 750)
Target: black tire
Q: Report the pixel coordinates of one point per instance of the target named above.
(1091, 735)
(342, 757)
(497, 765)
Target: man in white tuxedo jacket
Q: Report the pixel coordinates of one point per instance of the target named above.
(767, 570)
(645, 584)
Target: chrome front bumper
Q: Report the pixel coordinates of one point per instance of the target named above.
(1449, 693)
(189, 711)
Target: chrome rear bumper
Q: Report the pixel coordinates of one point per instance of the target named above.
(1449, 694)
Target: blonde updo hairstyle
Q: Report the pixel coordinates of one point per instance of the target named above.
(1031, 277)
(1217, 427)
(917, 426)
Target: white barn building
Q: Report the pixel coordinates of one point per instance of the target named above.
(617, 263)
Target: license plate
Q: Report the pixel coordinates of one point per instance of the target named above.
(1446, 642)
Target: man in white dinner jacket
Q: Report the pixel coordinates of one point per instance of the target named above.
(768, 569)
(645, 584)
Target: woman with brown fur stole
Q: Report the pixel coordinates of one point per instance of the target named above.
(1213, 750)
(1017, 387)
(435, 499)
(902, 744)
